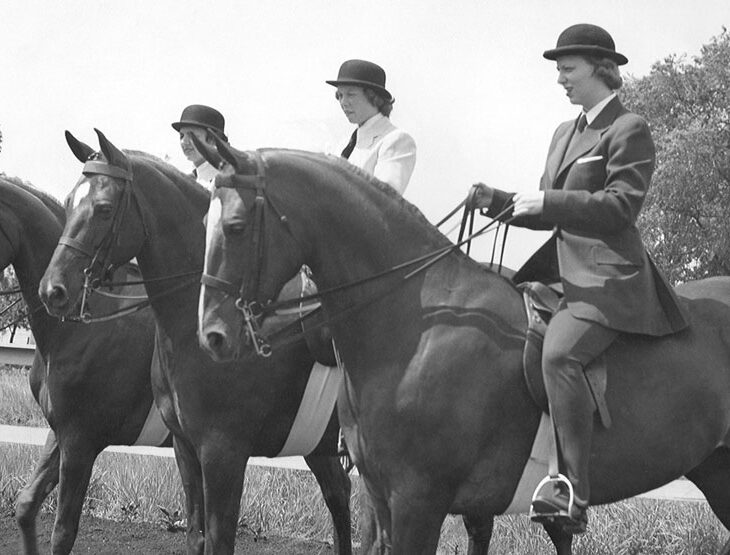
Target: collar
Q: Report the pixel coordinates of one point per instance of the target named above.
(592, 114)
(205, 174)
(371, 129)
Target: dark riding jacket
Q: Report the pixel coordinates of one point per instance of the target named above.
(594, 188)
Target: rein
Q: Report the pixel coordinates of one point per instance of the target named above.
(92, 284)
(263, 345)
(253, 310)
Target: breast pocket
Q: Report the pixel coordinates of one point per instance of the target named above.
(588, 173)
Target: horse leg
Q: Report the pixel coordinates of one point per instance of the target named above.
(374, 521)
(369, 530)
(77, 462)
(712, 477)
(192, 482)
(562, 540)
(479, 529)
(416, 520)
(31, 497)
(224, 468)
(335, 485)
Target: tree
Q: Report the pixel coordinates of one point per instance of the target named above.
(13, 310)
(687, 104)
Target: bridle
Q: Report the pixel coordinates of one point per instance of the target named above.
(100, 256)
(100, 268)
(253, 310)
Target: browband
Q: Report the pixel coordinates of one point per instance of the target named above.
(102, 168)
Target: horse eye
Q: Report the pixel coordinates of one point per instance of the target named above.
(103, 210)
(234, 228)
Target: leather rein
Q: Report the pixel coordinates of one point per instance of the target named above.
(100, 256)
(253, 310)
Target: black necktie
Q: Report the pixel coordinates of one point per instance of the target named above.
(350, 146)
(582, 122)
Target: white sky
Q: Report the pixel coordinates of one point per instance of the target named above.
(469, 78)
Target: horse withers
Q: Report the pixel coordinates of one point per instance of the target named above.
(130, 204)
(436, 411)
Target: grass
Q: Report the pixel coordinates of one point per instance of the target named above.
(17, 406)
(289, 503)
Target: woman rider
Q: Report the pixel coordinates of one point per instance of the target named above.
(597, 174)
(376, 146)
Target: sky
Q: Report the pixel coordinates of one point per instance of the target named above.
(470, 82)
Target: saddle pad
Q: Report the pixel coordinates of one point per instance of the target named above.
(154, 432)
(535, 469)
(315, 411)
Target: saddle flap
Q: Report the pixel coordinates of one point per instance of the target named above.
(541, 302)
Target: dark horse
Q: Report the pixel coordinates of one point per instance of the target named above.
(435, 409)
(91, 381)
(130, 204)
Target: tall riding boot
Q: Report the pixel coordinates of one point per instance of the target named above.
(572, 413)
(573, 418)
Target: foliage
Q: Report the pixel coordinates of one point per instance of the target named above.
(13, 309)
(687, 105)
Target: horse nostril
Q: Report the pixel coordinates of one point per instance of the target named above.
(58, 295)
(215, 340)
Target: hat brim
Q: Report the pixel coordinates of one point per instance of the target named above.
(555, 53)
(186, 123)
(364, 84)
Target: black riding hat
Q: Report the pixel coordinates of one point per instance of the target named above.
(585, 38)
(199, 115)
(362, 73)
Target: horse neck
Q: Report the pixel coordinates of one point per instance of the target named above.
(39, 231)
(351, 229)
(358, 230)
(174, 247)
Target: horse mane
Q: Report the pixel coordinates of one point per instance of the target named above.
(50, 202)
(182, 180)
(368, 180)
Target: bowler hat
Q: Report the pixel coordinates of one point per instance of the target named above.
(362, 74)
(199, 115)
(585, 38)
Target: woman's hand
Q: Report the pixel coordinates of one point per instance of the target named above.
(528, 204)
(480, 196)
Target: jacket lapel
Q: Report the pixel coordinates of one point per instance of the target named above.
(380, 128)
(590, 136)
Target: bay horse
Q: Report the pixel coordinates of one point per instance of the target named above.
(130, 204)
(92, 382)
(435, 409)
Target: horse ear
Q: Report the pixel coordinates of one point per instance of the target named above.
(225, 151)
(81, 150)
(211, 155)
(113, 155)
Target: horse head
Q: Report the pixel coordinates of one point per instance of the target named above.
(96, 209)
(242, 226)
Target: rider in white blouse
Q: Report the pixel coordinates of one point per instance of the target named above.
(386, 152)
(377, 146)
